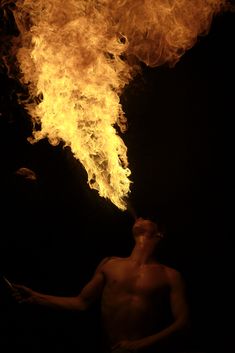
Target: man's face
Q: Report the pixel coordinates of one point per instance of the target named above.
(147, 228)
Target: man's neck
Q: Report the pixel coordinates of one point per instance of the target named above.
(143, 253)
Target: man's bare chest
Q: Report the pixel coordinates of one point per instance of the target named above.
(142, 280)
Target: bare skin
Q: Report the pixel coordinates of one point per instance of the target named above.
(143, 303)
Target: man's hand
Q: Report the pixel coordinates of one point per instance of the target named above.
(23, 294)
(131, 346)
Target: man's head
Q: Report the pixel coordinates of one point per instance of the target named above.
(146, 228)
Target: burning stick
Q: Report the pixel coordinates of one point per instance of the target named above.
(8, 283)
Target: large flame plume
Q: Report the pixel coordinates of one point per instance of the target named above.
(76, 56)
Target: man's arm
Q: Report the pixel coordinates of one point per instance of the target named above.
(89, 294)
(179, 308)
(180, 312)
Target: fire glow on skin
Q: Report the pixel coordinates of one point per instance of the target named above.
(75, 55)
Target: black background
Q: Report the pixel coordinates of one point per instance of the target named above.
(180, 148)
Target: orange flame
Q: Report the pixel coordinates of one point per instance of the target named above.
(74, 55)
(160, 31)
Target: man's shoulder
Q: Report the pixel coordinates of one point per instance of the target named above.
(109, 260)
(171, 272)
(175, 277)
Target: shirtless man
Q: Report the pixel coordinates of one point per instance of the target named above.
(143, 303)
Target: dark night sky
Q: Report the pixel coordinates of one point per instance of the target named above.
(180, 150)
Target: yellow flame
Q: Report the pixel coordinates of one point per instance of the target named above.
(75, 55)
(70, 58)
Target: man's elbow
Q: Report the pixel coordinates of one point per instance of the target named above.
(182, 331)
(184, 325)
(81, 304)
